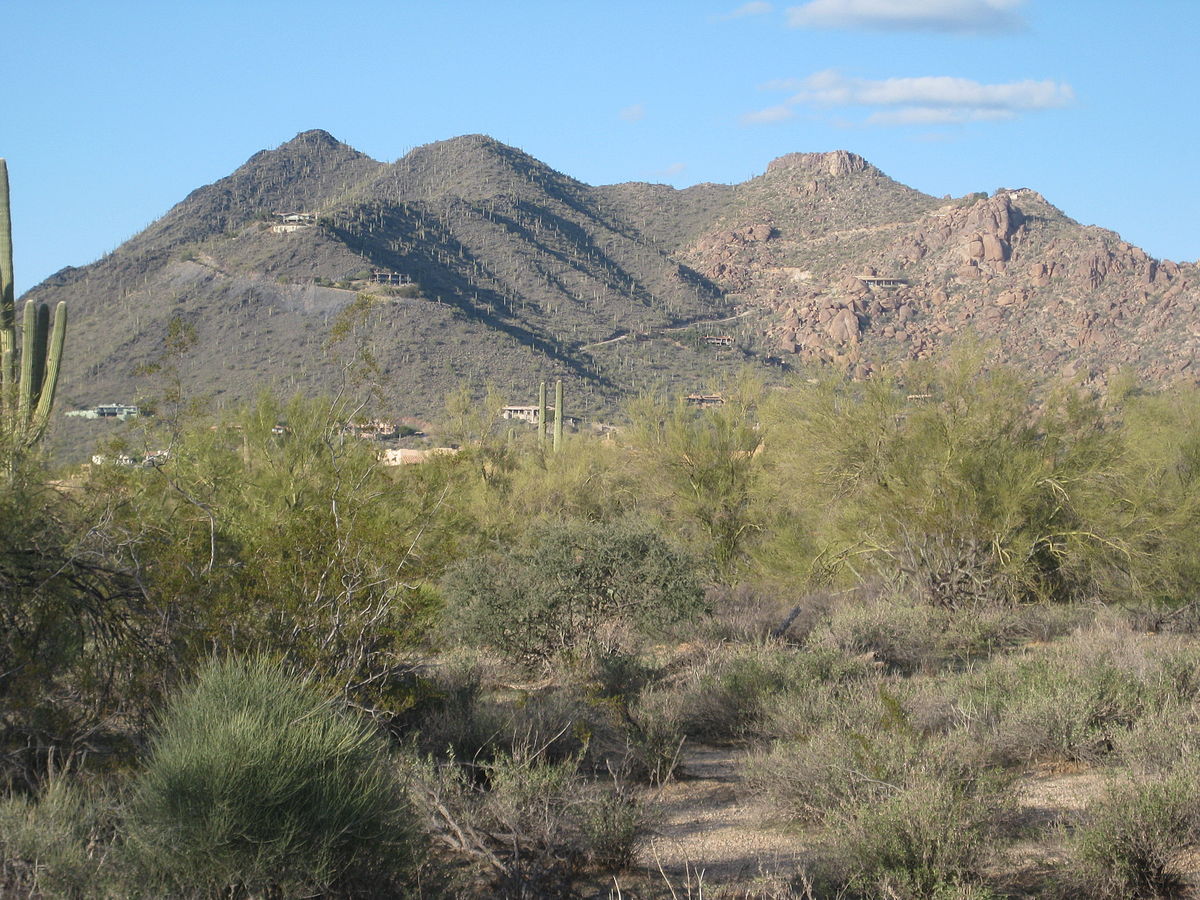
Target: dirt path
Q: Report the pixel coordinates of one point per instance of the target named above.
(709, 826)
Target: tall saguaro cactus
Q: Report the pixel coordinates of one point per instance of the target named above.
(27, 393)
(558, 415)
(542, 413)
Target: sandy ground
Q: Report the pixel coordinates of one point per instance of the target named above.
(710, 832)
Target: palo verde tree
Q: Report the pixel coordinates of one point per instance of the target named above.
(702, 467)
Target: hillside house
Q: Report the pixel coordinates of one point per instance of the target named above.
(874, 281)
(718, 340)
(383, 276)
(704, 400)
(107, 411)
(528, 414)
(289, 222)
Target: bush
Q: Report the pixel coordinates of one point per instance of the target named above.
(57, 844)
(928, 840)
(535, 824)
(76, 647)
(566, 582)
(1130, 845)
(257, 783)
(1076, 700)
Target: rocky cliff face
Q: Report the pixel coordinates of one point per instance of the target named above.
(1054, 296)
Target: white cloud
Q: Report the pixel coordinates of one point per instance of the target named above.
(832, 88)
(950, 16)
(932, 115)
(755, 8)
(634, 113)
(928, 100)
(768, 115)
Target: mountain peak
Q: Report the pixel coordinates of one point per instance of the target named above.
(836, 163)
(313, 138)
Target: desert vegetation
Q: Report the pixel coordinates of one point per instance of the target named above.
(941, 623)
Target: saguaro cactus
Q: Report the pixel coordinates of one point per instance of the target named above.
(27, 394)
(542, 412)
(558, 415)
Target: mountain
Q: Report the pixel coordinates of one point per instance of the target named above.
(469, 259)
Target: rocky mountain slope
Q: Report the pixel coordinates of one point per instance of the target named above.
(468, 259)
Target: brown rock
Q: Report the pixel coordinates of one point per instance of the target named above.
(843, 327)
(994, 249)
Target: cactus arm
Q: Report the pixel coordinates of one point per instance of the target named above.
(41, 335)
(8, 323)
(26, 398)
(542, 413)
(42, 415)
(8, 311)
(558, 415)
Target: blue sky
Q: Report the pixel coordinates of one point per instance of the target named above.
(115, 110)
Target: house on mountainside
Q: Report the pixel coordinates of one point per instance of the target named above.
(289, 222)
(528, 414)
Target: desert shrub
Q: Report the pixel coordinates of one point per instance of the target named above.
(727, 696)
(900, 635)
(257, 782)
(1075, 699)
(77, 642)
(906, 813)
(752, 612)
(554, 592)
(1130, 843)
(547, 809)
(765, 690)
(655, 737)
(873, 751)
(58, 843)
(1161, 741)
(534, 825)
(928, 839)
(454, 716)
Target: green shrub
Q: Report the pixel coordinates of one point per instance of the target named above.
(1130, 844)
(926, 840)
(564, 583)
(256, 782)
(58, 843)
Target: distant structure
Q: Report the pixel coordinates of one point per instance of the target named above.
(375, 431)
(107, 411)
(704, 400)
(406, 457)
(874, 281)
(718, 340)
(149, 460)
(528, 414)
(383, 276)
(289, 222)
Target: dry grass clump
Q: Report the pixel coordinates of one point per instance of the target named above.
(53, 844)
(528, 826)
